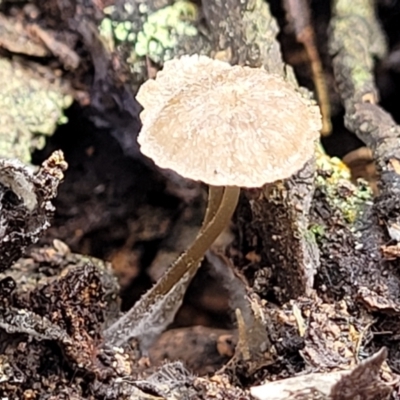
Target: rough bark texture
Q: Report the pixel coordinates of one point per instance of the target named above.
(69, 302)
(356, 41)
(281, 216)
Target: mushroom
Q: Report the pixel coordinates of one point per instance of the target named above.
(227, 126)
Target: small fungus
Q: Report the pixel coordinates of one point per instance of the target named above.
(227, 126)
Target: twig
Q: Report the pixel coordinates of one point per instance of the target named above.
(356, 40)
(298, 15)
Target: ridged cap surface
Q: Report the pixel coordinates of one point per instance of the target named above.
(226, 125)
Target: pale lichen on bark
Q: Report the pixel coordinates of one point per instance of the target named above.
(157, 30)
(356, 41)
(30, 109)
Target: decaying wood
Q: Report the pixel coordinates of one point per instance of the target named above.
(25, 204)
(308, 255)
(353, 62)
(356, 41)
(281, 216)
(362, 382)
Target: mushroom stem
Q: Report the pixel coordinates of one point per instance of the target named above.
(219, 219)
(221, 206)
(215, 194)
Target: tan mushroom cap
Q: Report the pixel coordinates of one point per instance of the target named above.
(224, 125)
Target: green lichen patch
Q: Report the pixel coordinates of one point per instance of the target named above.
(30, 108)
(163, 28)
(160, 33)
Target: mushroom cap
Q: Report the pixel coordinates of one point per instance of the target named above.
(226, 125)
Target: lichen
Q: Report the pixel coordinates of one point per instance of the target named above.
(161, 30)
(260, 30)
(160, 33)
(31, 107)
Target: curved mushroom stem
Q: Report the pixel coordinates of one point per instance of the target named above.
(215, 194)
(228, 198)
(144, 318)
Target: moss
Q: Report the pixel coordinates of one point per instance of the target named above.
(317, 230)
(30, 108)
(333, 179)
(314, 234)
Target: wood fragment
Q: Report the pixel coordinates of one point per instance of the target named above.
(362, 382)
(299, 17)
(356, 40)
(68, 57)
